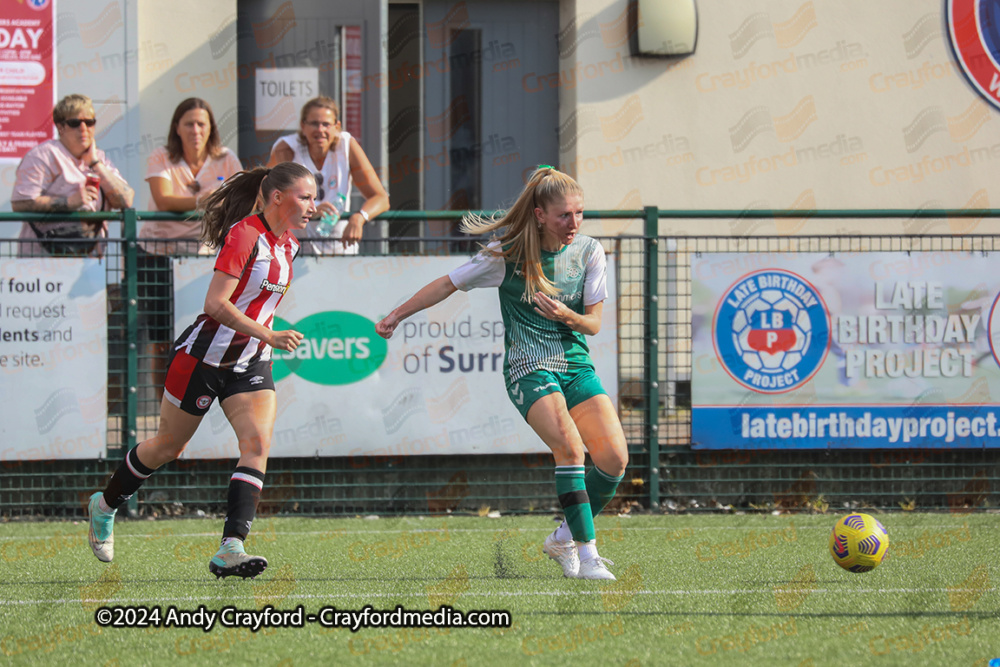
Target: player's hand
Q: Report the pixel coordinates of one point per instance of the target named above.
(551, 309)
(286, 341)
(387, 326)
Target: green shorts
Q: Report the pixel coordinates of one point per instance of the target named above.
(577, 386)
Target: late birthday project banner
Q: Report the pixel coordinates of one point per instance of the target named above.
(866, 350)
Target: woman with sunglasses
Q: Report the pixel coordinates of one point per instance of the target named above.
(336, 160)
(68, 174)
(192, 165)
(552, 282)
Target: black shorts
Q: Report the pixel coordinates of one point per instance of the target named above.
(192, 385)
(155, 285)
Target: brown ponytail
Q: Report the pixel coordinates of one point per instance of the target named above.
(236, 198)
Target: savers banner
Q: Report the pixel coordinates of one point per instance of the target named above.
(436, 387)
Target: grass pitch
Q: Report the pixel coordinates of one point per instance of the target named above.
(691, 590)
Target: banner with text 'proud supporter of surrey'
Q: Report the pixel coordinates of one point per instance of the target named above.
(866, 350)
(436, 387)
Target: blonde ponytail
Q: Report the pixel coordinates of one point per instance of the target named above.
(521, 239)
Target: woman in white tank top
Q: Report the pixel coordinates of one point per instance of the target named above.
(336, 161)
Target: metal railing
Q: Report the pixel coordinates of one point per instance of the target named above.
(654, 291)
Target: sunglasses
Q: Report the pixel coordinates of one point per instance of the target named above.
(75, 122)
(320, 192)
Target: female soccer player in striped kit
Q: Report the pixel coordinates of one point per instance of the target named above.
(552, 284)
(226, 353)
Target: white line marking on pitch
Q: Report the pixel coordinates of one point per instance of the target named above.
(500, 594)
(347, 531)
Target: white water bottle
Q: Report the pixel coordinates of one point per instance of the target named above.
(329, 220)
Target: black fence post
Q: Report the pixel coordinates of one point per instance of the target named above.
(130, 232)
(651, 350)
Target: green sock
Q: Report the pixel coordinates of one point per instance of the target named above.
(601, 489)
(572, 491)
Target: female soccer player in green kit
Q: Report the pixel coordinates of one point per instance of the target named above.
(552, 283)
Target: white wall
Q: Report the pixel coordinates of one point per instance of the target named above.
(188, 49)
(785, 104)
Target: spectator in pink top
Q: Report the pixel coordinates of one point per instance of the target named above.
(192, 165)
(53, 178)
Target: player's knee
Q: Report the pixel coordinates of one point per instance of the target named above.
(567, 452)
(610, 454)
(621, 469)
(255, 445)
(618, 463)
(167, 448)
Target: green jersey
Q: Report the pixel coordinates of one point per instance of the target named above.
(532, 342)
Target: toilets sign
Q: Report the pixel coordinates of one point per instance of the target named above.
(280, 93)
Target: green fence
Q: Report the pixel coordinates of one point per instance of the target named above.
(654, 332)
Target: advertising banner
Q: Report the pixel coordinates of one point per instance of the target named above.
(27, 52)
(866, 350)
(53, 359)
(436, 387)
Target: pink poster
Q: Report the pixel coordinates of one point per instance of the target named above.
(27, 54)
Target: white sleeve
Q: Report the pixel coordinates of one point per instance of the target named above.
(287, 140)
(595, 286)
(485, 269)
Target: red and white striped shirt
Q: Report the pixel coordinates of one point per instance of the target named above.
(263, 264)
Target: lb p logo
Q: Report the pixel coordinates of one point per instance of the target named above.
(771, 331)
(974, 32)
